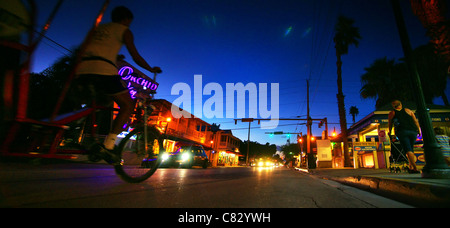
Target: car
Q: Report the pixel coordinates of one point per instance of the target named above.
(186, 156)
(263, 163)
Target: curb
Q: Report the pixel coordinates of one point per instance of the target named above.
(417, 194)
(409, 192)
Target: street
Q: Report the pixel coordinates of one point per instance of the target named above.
(96, 185)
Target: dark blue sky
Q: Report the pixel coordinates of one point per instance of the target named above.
(248, 41)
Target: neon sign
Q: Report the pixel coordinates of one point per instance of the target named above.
(135, 82)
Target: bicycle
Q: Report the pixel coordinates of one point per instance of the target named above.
(139, 151)
(24, 137)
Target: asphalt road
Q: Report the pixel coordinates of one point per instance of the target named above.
(97, 186)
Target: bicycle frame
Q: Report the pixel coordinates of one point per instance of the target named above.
(60, 126)
(55, 126)
(20, 119)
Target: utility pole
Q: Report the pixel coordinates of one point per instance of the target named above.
(309, 153)
(309, 120)
(435, 166)
(249, 121)
(248, 142)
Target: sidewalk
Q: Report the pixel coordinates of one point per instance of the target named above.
(407, 188)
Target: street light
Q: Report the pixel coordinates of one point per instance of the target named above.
(334, 134)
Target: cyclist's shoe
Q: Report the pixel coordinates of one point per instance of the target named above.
(110, 156)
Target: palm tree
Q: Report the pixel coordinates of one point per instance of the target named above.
(386, 80)
(345, 35)
(433, 73)
(354, 111)
(432, 14)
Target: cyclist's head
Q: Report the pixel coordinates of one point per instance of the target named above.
(121, 13)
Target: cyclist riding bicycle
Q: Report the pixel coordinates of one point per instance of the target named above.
(98, 67)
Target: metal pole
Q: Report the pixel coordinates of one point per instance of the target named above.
(248, 142)
(435, 165)
(310, 155)
(308, 123)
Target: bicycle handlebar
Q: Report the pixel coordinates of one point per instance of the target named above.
(159, 71)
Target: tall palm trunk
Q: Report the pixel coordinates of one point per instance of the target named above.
(346, 34)
(342, 114)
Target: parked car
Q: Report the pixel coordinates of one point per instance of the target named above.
(186, 157)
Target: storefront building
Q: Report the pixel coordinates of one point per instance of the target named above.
(220, 147)
(227, 149)
(371, 146)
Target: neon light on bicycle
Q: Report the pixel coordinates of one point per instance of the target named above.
(134, 80)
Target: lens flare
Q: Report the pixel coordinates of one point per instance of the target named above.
(306, 32)
(288, 31)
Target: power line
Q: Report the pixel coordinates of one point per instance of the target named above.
(54, 42)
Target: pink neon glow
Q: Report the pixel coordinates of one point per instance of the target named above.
(133, 81)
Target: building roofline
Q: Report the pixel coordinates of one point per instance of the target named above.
(386, 109)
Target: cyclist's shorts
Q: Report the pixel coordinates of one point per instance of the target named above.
(104, 84)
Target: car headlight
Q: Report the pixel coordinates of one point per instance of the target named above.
(185, 156)
(165, 156)
(260, 163)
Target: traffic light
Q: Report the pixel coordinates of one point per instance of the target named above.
(321, 124)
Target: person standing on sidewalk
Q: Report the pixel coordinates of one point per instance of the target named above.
(406, 128)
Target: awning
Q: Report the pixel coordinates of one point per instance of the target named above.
(187, 142)
(235, 153)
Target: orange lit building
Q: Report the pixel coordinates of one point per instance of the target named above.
(221, 147)
(226, 149)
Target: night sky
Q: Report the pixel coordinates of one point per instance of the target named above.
(248, 41)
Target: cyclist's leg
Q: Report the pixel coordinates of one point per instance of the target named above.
(126, 105)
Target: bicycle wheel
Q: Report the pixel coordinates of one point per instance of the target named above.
(139, 163)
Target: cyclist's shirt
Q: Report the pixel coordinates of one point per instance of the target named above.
(105, 44)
